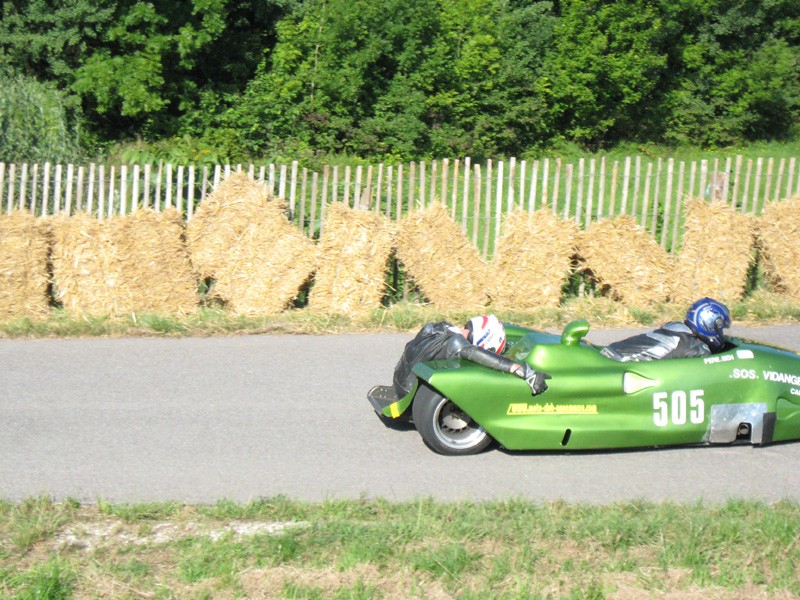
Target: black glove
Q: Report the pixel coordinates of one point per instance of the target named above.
(534, 379)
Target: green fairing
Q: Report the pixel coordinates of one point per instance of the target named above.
(750, 392)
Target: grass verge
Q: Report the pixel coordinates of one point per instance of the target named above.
(759, 308)
(278, 548)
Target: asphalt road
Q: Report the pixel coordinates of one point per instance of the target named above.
(202, 419)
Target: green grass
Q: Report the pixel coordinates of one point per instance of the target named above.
(379, 549)
(759, 308)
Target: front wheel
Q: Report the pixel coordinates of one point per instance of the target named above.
(444, 427)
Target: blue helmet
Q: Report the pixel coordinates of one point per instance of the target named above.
(707, 318)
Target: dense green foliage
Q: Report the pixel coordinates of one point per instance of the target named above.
(410, 79)
(36, 121)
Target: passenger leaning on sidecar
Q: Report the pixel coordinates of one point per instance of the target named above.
(481, 341)
(700, 334)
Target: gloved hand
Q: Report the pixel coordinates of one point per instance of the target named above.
(535, 379)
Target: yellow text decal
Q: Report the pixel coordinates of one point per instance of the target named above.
(551, 409)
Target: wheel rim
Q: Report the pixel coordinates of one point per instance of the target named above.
(454, 428)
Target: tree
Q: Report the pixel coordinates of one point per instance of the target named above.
(397, 78)
(154, 68)
(735, 71)
(37, 122)
(604, 68)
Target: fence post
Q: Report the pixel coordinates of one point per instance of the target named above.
(456, 168)
(646, 198)
(68, 200)
(379, 188)
(12, 172)
(512, 165)
(314, 191)
(168, 203)
(34, 187)
(567, 190)
(303, 190)
(190, 194)
(101, 192)
(488, 210)
(779, 179)
(422, 184)
(179, 194)
(465, 200)
(79, 195)
(667, 202)
(123, 190)
(445, 165)
(46, 188)
(23, 184)
(324, 200)
(678, 201)
(579, 199)
(135, 190)
(111, 187)
(90, 188)
(556, 183)
(656, 196)
(545, 182)
(399, 192)
(589, 196)
(293, 190)
(57, 191)
(534, 186)
(498, 205)
(476, 205)
(389, 190)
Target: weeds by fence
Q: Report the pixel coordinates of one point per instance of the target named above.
(477, 195)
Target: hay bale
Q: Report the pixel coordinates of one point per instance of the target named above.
(446, 267)
(716, 253)
(24, 251)
(354, 250)
(240, 237)
(155, 269)
(625, 261)
(132, 264)
(534, 259)
(778, 237)
(209, 230)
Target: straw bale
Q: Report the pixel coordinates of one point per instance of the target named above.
(156, 267)
(354, 250)
(132, 264)
(778, 232)
(208, 232)
(241, 239)
(446, 267)
(627, 263)
(24, 251)
(716, 253)
(533, 260)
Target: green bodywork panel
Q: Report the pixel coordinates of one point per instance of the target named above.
(593, 402)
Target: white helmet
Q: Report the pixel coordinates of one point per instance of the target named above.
(487, 332)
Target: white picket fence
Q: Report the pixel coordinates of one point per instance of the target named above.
(478, 195)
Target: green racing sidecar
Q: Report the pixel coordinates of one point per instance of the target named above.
(747, 393)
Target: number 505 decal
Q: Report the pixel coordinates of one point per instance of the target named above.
(678, 408)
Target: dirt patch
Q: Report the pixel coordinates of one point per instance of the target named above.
(90, 536)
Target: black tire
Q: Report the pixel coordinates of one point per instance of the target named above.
(444, 427)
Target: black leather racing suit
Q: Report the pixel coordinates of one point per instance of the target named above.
(441, 341)
(673, 340)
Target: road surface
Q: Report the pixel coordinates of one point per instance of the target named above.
(241, 418)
